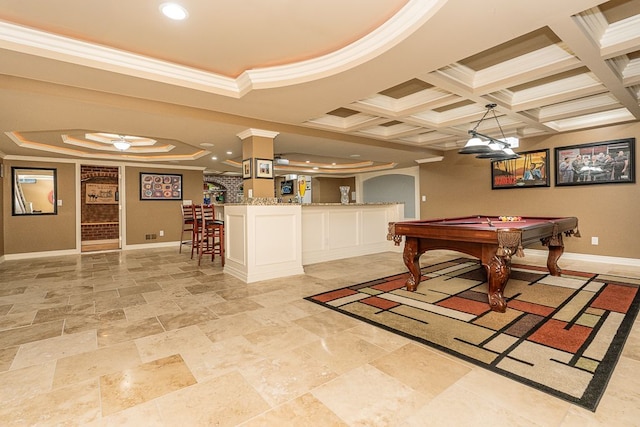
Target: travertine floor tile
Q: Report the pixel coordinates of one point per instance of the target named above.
(12, 321)
(327, 323)
(229, 308)
(93, 364)
(226, 356)
(343, 351)
(272, 340)
(6, 357)
(146, 414)
(378, 337)
(367, 396)
(63, 312)
(278, 314)
(46, 350)
(148, 337)
(457, 406)
(133, 386)
(145, 311)
(178, 341)
(286, 376)
(184, 318)
(430, 373)
(23, 384)
(231, 326)
(42, 331)
(223, 401)
(104, 320)
(518, 398)
(304, 411)
(77, 404)
(116, 332)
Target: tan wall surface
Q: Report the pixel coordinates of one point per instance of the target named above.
(327, 190)
(258, 147)
(2, 204)
(461, 185)
(39, 233)
(150, 216)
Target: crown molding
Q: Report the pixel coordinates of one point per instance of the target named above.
(393, 31)
(257, 132)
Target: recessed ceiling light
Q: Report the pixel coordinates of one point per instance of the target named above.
(307, 161)
(214, 158)
(355, 155)
(206, 144)
(229, 152)
(174, 11)
(315, 168)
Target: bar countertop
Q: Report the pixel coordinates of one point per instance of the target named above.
(271, 201)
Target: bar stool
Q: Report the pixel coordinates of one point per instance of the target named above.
(196, 211)
(188, 226)
(211, 235)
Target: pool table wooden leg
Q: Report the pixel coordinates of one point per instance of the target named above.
(555, 252)
(411, 258)
(498, 271)
(556, 249)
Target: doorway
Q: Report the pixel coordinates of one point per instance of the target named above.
(100, 208)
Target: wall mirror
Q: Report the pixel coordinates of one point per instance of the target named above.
(33, 191)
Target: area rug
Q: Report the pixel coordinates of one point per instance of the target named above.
(562, 335)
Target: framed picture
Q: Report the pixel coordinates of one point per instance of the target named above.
(609, 162)
(101, 194)
(246, 169)
(264, 168)
(286, 187)
(155, 186)
(531, 169)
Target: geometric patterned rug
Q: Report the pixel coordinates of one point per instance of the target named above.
(562, 335)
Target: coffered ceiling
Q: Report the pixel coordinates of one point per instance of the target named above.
(349, 85)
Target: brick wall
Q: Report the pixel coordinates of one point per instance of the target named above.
(99, 221)
(100, 231)
(232, 185)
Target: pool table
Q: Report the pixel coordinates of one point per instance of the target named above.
(489, 238)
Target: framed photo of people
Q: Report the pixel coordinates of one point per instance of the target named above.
(608, 162)
(531, 169)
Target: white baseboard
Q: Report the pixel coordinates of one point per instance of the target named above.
(531, 252)
(587, 258)
(31, 255)
(175, 244)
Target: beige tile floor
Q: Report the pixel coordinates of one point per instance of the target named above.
(148, 338)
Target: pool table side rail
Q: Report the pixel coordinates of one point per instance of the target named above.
(543, 227)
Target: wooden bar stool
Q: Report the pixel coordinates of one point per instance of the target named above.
(197, 227)
(188, 226)
(211, 235)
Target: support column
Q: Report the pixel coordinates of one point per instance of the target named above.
(257, 162)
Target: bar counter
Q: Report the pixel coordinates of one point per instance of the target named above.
(265, 239)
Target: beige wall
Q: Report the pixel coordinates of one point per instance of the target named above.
(40, 233)
(461, 185)
(327, 190)
(3, 178)
(258, 147)
(150, 216)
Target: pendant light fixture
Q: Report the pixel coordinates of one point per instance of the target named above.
(486, 147)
